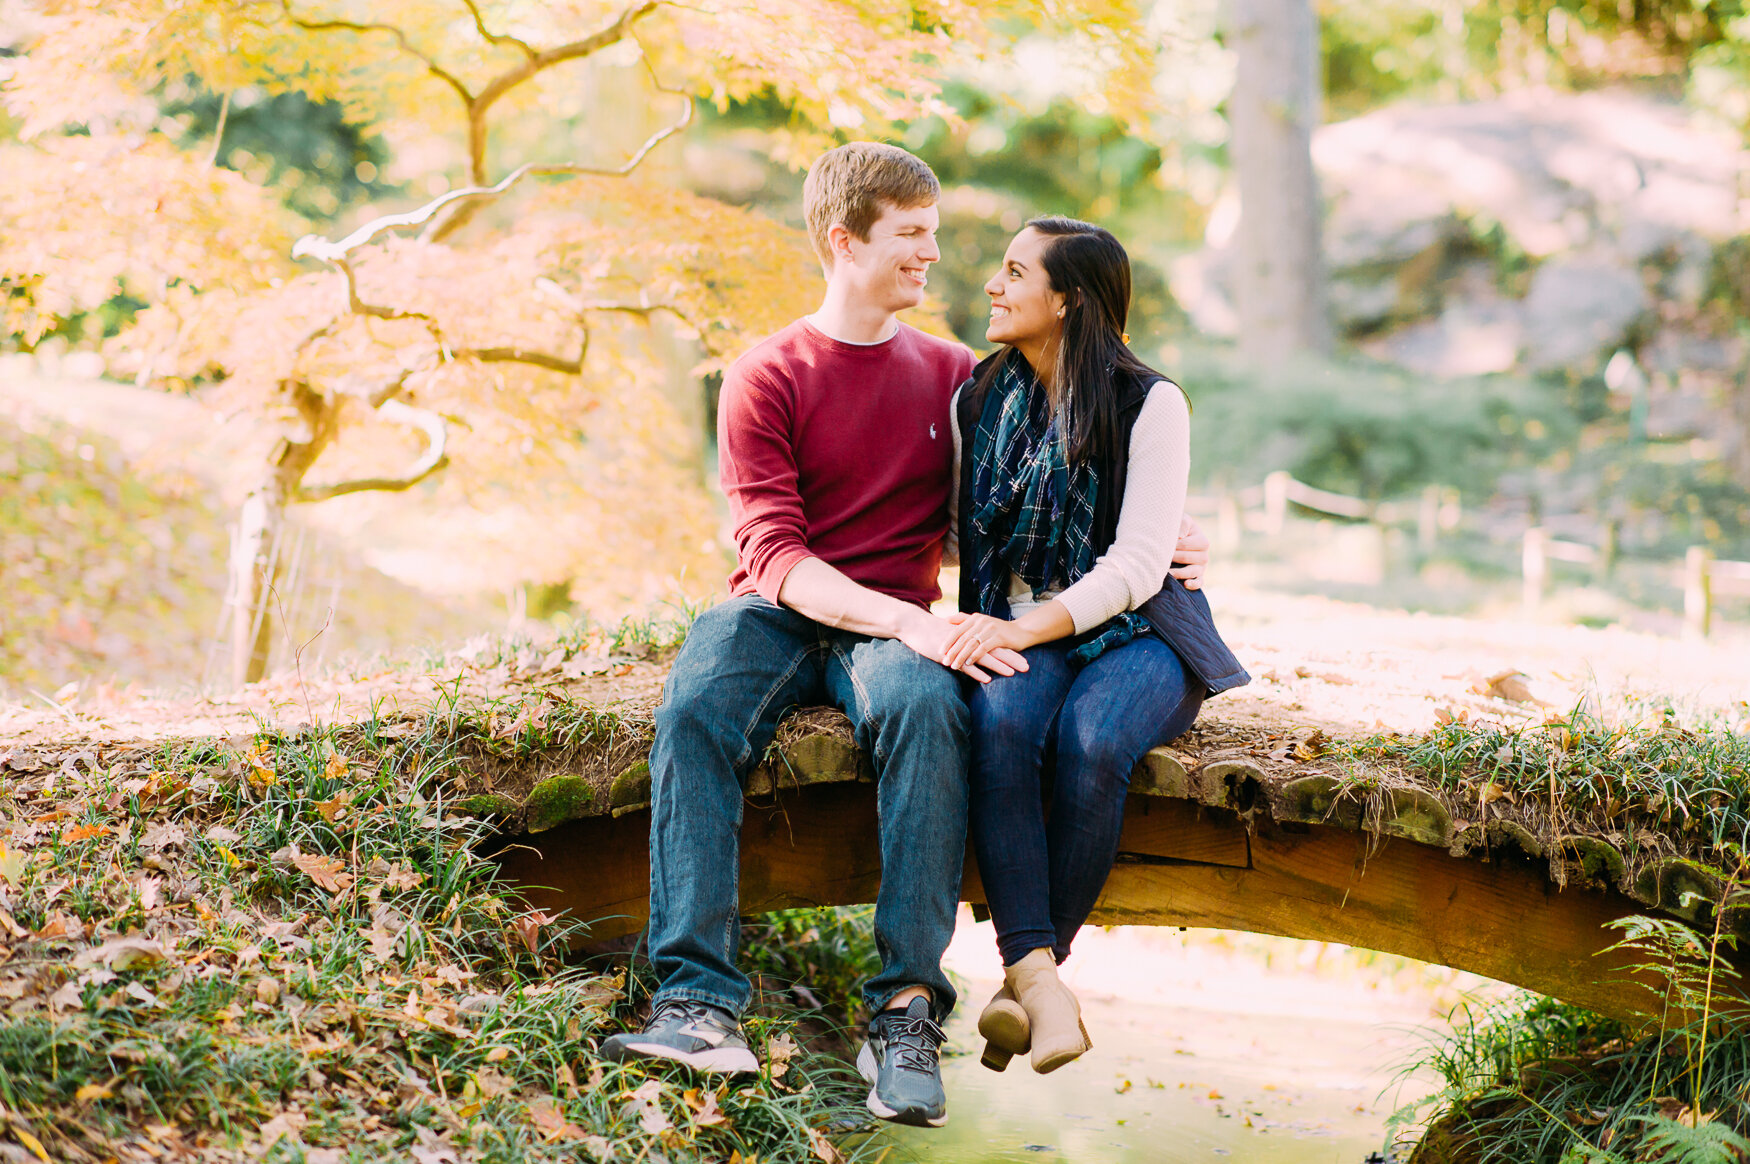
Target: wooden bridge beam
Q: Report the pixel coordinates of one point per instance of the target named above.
(1181, 863)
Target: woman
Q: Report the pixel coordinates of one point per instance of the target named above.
(1073, 457)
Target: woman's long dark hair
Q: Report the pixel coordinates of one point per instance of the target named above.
(1090, 269)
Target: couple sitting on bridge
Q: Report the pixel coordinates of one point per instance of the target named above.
(853, 448)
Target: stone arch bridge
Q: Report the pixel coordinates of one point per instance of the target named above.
(1226, 843)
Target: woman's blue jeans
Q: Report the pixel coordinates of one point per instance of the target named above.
(1043, 872)
(745, 663)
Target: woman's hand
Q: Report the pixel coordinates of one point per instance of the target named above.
(977, 634)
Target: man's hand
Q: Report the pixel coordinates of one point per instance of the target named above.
(976, 634)
(930, 636)
(1191, 555)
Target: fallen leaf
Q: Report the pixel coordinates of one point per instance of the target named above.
(706, 1113)
(287, 1123)
(528, 928)
(76, 833)
(337, 767)
(91, 1092)
(1312, 747)
(498, 1054)
(11, 866)
(1123, 1086)
(650, 1114)
(122, 954)
(327, 872)
(29, 1141)
(824, 1148)
(779, 1052)
(1491, 792)
(59, 925)
(149, 887)
(599, 1148)
(333, 810)
(1508, 685)
(401, 877)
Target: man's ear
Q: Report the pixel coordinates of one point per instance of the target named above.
(838, 242)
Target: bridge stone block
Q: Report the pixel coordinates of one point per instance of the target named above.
(1682, 888)
(1510, 834)
(1316, 799)
(812, 759)
(1416, 816)
(630, 790)
(1598, 862)
(556, 800)
(1161, 774)
(1227, 782)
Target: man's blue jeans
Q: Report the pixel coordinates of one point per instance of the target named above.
(1041, 877)
(745, 663)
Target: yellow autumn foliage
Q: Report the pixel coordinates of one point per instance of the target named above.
(527, 343)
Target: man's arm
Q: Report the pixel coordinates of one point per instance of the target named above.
(824, 594)
(1191, 555)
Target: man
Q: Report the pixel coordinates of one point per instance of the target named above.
(837, 459)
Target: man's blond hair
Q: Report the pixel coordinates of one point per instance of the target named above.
(854, 183)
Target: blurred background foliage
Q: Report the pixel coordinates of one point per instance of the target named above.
(1659, 458)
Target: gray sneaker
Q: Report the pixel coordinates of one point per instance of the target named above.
(704, 1037)
(902, 1062)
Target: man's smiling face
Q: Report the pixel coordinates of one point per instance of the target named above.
(891, 269)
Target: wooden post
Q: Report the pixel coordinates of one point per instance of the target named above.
(1428, 519)
(1609, 549)
(1698, 591)
(1536, 566)
(1229, 522)
(1276, 501)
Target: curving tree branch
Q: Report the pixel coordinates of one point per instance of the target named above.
(431, 65)
(437, 435)
(490, 38)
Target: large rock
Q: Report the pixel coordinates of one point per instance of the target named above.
(1600, 192)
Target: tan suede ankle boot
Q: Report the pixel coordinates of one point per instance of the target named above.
(1005, 1029)
(1054, 1017)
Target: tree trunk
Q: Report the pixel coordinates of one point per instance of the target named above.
(255, 552)
(1274, 107)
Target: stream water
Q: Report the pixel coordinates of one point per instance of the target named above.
(1207, 1047)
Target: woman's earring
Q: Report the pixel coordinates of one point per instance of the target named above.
(1060, 313)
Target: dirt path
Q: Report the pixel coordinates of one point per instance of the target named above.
(1316, 662)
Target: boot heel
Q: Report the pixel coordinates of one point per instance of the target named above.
(995, 1057)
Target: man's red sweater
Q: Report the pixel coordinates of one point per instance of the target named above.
(840, 452)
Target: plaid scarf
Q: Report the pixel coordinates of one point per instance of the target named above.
(1032, 513)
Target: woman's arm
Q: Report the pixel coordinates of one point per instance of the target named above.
(1131, 571)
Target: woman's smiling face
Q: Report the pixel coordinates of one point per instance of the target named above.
(1024, 310)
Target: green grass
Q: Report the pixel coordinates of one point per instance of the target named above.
(1689, 785)
(315, 963)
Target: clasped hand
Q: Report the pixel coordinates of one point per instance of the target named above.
(933, 636)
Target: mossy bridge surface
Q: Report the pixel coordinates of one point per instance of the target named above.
(1229, 837)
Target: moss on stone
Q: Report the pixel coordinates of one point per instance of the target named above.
(630, 790)
(1416, 816)
(557, 800)
(489, 804)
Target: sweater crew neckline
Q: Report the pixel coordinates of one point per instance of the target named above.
(845, 347)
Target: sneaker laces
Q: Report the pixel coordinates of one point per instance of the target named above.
(912, 1042)
(684, 1008)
